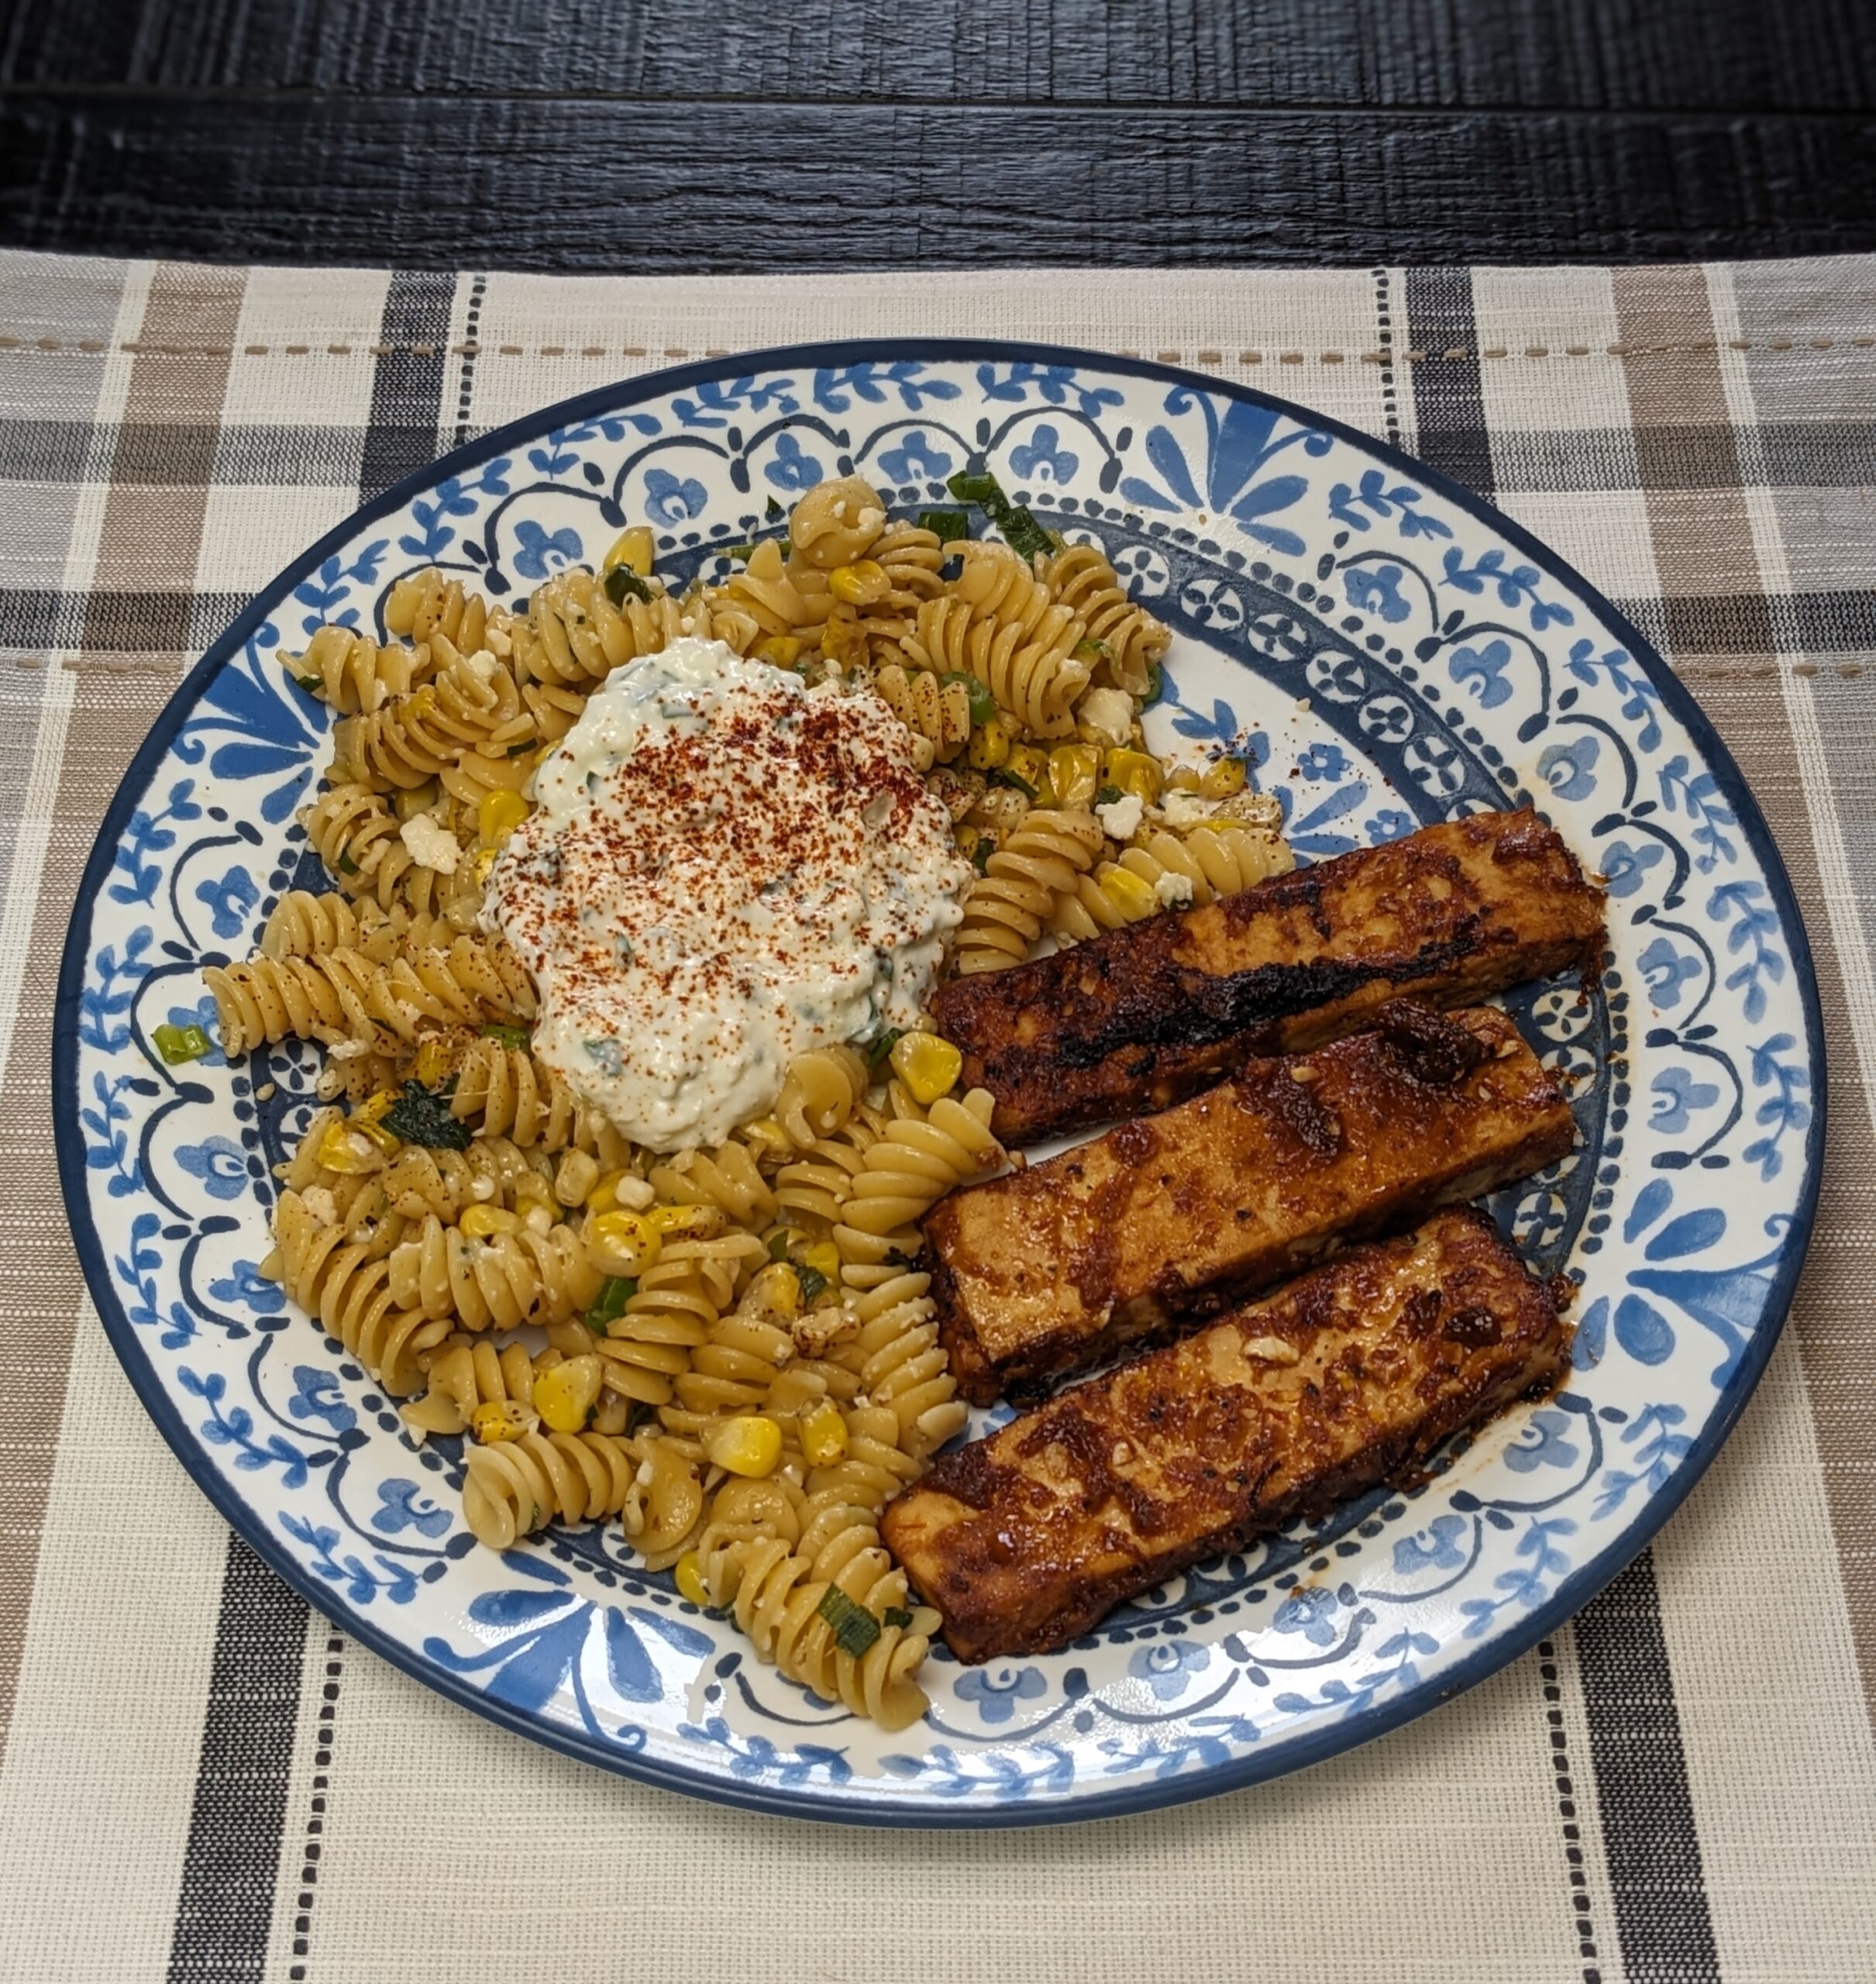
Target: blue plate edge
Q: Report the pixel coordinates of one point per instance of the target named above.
(827, 1805)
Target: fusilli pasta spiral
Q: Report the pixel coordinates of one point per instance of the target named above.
(514, 1486)
(1025, 881)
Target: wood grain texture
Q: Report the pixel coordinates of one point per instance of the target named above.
(1798, 55)
(656, 187)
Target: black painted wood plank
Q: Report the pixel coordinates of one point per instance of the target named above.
(1802, 55)
(601, 186)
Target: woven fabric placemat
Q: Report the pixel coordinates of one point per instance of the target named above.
(202, 1780)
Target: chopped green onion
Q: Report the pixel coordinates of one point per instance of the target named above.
(1108, 795)
(773, 509)
(743, 550)
(178, 1044)
(610, 1304)
(983, 705)
(946, 525)
(980, 856)
(1090, 649)
(854, 1627)
(877, 1052)
(311, 683)
(812, 1280)
(509, 1036)
(778, 1246)
(1003, 776)
(346, 865)
(1023, 534)
(421, 1116)
(896, 1615)
(1155, 687)
(622, 580)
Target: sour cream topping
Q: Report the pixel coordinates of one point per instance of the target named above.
(724, 869)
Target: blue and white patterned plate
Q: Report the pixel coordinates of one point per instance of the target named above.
(1388, 651)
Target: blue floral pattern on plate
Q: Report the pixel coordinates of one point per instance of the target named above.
(1380, 651)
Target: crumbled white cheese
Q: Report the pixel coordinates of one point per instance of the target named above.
(320, 1203)
(349, 1050)
(482, 664)
(633, 1194)
(816, 1332)
(1120, 818)
(871, 521)
(1172, 889)
(1105, 716)
(1180, 810)
(501, 643)
(432, 846)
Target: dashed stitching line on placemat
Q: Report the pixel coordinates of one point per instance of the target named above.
(1410, 356)
(1566, 1808)
(118, 667)
(315, 1819)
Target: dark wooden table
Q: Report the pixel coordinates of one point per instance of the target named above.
(755, 134)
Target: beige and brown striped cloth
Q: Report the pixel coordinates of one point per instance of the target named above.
(201, 1780)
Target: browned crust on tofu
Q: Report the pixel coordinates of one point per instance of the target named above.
(1050, 1270)
(1025, 1539)
(1140, 1017)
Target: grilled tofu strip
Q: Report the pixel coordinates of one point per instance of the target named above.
(1351, 1376)
(1140, 1017)
(1049, 1270)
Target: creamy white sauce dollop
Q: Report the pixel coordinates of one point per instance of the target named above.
(724, 869)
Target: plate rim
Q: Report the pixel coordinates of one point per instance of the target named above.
(1258, 1766)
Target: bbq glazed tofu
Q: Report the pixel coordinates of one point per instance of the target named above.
(1349, 1376)
(1139, 1017)
(1050, 1270)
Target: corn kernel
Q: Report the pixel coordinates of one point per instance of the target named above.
(433, 1060)
(374, 1108)
(780, 650)
(862, 583)
(767, 1135)
(1031, 766)
(1134, 772)
(484, 1222)
(927, 1066)
(495, 1420)
(778, 1289)
(1182, 778)
(565, 1396)
(500, 812)
(990, 744)
(1133, 897)
(1074, 774)
(347, 1149)
(633, 549)
(686, 1222)
(484, 863)
(622, 1243)
(824, 1258)
(687, 1575)
(1221, 780)
(750, 1445)
(823, 1435)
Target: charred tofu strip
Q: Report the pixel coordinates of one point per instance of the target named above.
(1141, 1017)
(1350, 1376)
(1048, 1271)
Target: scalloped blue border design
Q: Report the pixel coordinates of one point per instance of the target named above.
(1571, 1594)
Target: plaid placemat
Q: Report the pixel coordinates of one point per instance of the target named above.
(202, 1780)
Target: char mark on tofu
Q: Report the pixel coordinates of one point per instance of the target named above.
(1139, 1017)
(1350, 1376)
(1049, 1271)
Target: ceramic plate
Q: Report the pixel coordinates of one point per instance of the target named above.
(1386, 651)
